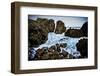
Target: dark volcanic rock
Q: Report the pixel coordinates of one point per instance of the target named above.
(60, 27)
(51, 25)
(43, 22)
(75, 33)
(58, 48)
(31, 53)
(36, 35)
(84, 28)
(63, 45)
(53, 52)
(46, 24)
(40, 51)
(82, 47)
(45, 57)
(64, 53)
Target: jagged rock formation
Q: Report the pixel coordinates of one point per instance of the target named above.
(53, 52)
(75, 33)
(82, 47)
(60, 27)
(36, 34)
(47, 24)
(84, 29)
(39, 29)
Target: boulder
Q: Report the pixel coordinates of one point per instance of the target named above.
(36, 34)
(53, 52)
(45, 57)
(47, 24)
(51, 25)
(64, 53)
(84, 29)
(75, 33)
(82, 47)
(60, 27)
(58, 48)
(63, 45)
(40, 51)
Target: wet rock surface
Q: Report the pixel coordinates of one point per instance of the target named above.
(75, 33)
(39, 31)
(47, 24)
(36, 34)
(84, 29)
(82, 47)
(53, 52)
(60, 27)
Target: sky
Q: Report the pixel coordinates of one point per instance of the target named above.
(69, 21)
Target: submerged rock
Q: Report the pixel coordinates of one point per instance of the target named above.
(82, 47)
(60, 27)
(84, 29)
(31, 54)
(75, 33)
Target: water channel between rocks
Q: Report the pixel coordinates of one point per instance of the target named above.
(54, 39)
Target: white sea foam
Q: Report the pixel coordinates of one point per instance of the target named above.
(54, 39)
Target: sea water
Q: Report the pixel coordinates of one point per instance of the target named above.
(54, 39)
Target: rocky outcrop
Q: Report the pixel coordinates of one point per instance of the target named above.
(51, 25)
(75, 33)
(36, 34)
(60, 27)
(47, 24)
(84, 29)
(82, 47)
(38, 30)
(53, 52)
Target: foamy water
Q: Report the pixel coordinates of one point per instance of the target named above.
(54, 39)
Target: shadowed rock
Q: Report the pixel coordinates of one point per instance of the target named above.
(84, 29)
(38, 31)
(36, 34)
(46, 24)
(51, 25)
(60, 27)
(82, 47)
(75, 33)
(53, 52)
